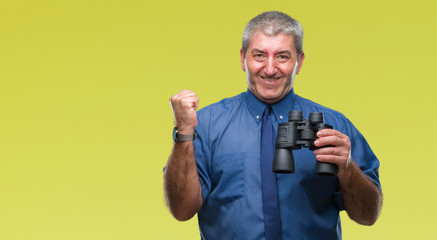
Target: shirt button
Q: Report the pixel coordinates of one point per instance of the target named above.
(281, 117)
(257, 116)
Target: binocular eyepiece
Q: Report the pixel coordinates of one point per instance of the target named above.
(297, 133)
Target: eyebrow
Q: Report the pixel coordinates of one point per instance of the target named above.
(285, 52)
(256, 50)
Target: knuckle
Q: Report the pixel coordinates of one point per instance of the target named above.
(172, 101)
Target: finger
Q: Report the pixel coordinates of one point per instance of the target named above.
(182, 96)
(330, 158)
(187, 103)
(330, 132)
(196, 103)
(329, 151)
(186, 93)
(329, 140)
(336, 151)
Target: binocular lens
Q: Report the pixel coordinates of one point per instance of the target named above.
(283, 161)
(316, 117)
(294, 116)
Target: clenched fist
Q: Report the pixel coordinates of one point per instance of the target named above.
(184, 105)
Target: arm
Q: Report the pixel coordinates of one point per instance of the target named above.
(181, 182)
(362, 197)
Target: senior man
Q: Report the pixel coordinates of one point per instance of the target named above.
(221, 162)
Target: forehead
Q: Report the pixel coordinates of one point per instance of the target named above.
(272, 43)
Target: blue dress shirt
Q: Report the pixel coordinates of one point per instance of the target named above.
(228, 161)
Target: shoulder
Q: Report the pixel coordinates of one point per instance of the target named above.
(214, 117)
(312, 106)
(332, 117)
(223, 107)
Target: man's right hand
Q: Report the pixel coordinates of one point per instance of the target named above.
(184, 105)
(182, 188)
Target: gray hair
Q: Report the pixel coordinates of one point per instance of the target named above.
(273, 23)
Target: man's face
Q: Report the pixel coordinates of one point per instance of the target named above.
(269, 65)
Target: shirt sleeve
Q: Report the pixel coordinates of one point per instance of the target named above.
(203, 159)
(362, 154)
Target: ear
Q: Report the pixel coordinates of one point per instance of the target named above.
(243, 65)
(302, 57)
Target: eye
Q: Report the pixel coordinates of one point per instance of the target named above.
(259, 56)
(283, 58)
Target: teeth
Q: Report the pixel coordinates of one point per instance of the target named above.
(270, 79)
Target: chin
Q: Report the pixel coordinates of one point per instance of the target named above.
(271, 94)
(267, 94)
(269, 98)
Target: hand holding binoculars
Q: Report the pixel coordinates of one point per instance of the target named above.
(297, 133)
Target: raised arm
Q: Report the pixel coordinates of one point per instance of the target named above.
(362, 197)
(181, 182)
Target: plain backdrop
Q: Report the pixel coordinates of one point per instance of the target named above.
(85, 119)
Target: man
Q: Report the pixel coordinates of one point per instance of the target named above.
(217, 168)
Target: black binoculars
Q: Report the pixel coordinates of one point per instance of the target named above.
(297, 133)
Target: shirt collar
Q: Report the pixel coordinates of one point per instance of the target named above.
(280, 109)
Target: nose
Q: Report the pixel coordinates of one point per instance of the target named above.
(270, 66)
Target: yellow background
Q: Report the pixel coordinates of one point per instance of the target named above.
(85, 122)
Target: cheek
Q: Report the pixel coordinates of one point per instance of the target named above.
(287, 70)
(254, 68)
